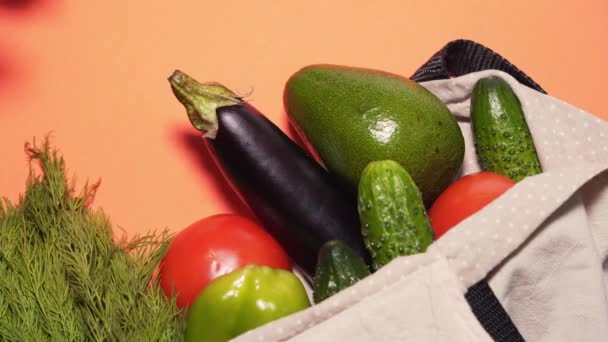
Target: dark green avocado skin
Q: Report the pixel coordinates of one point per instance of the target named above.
(353, 116)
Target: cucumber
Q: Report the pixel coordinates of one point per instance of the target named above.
(502, 138)
(338, 267)
(394, 221)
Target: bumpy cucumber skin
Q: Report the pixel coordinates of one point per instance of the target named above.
(502, 138)
(394, 221)
(338, 267)
(353, 116)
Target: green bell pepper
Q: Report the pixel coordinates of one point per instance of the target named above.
(243, 300)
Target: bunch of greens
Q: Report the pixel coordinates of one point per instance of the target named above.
(64, 277)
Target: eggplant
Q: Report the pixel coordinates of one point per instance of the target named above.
(297, 201)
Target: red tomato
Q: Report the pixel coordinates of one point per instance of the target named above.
(465, 197)
(214, 246)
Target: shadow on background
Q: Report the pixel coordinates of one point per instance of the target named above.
(18, 4)
(11, 74)
(13, 62)
(293, 134)
(24, 8)
(191, 142)
(22, 5)
(6, 71)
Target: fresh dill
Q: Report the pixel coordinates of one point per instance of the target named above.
(63, 274)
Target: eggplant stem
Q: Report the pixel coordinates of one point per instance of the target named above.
(202, 100)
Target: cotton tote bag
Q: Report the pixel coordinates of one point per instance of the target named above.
(529, 266)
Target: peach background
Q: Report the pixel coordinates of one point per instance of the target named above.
(94, 73)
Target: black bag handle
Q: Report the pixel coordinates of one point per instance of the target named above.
(491, 314)
(457, 58)
(461, 57)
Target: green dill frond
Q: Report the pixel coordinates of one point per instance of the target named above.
(63, 277)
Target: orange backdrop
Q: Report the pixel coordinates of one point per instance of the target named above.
(94, 73)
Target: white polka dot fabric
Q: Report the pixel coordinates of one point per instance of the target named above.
(541, 245)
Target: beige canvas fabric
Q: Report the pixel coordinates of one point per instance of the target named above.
(542, 246)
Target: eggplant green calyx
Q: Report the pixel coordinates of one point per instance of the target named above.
(201, 101)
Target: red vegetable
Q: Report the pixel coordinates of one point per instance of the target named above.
(214, 246)
(465, 197)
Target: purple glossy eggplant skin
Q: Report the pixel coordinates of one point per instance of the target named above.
(294, 197)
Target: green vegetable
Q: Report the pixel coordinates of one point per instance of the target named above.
(393, 219)
(64, 278)
(243, 300)
(338, 267)
(502, 138)
(354, 116)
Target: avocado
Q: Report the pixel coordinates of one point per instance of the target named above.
(353, 116)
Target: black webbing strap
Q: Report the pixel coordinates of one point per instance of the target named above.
(461, 57)
(490, 313)
(458, 58)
